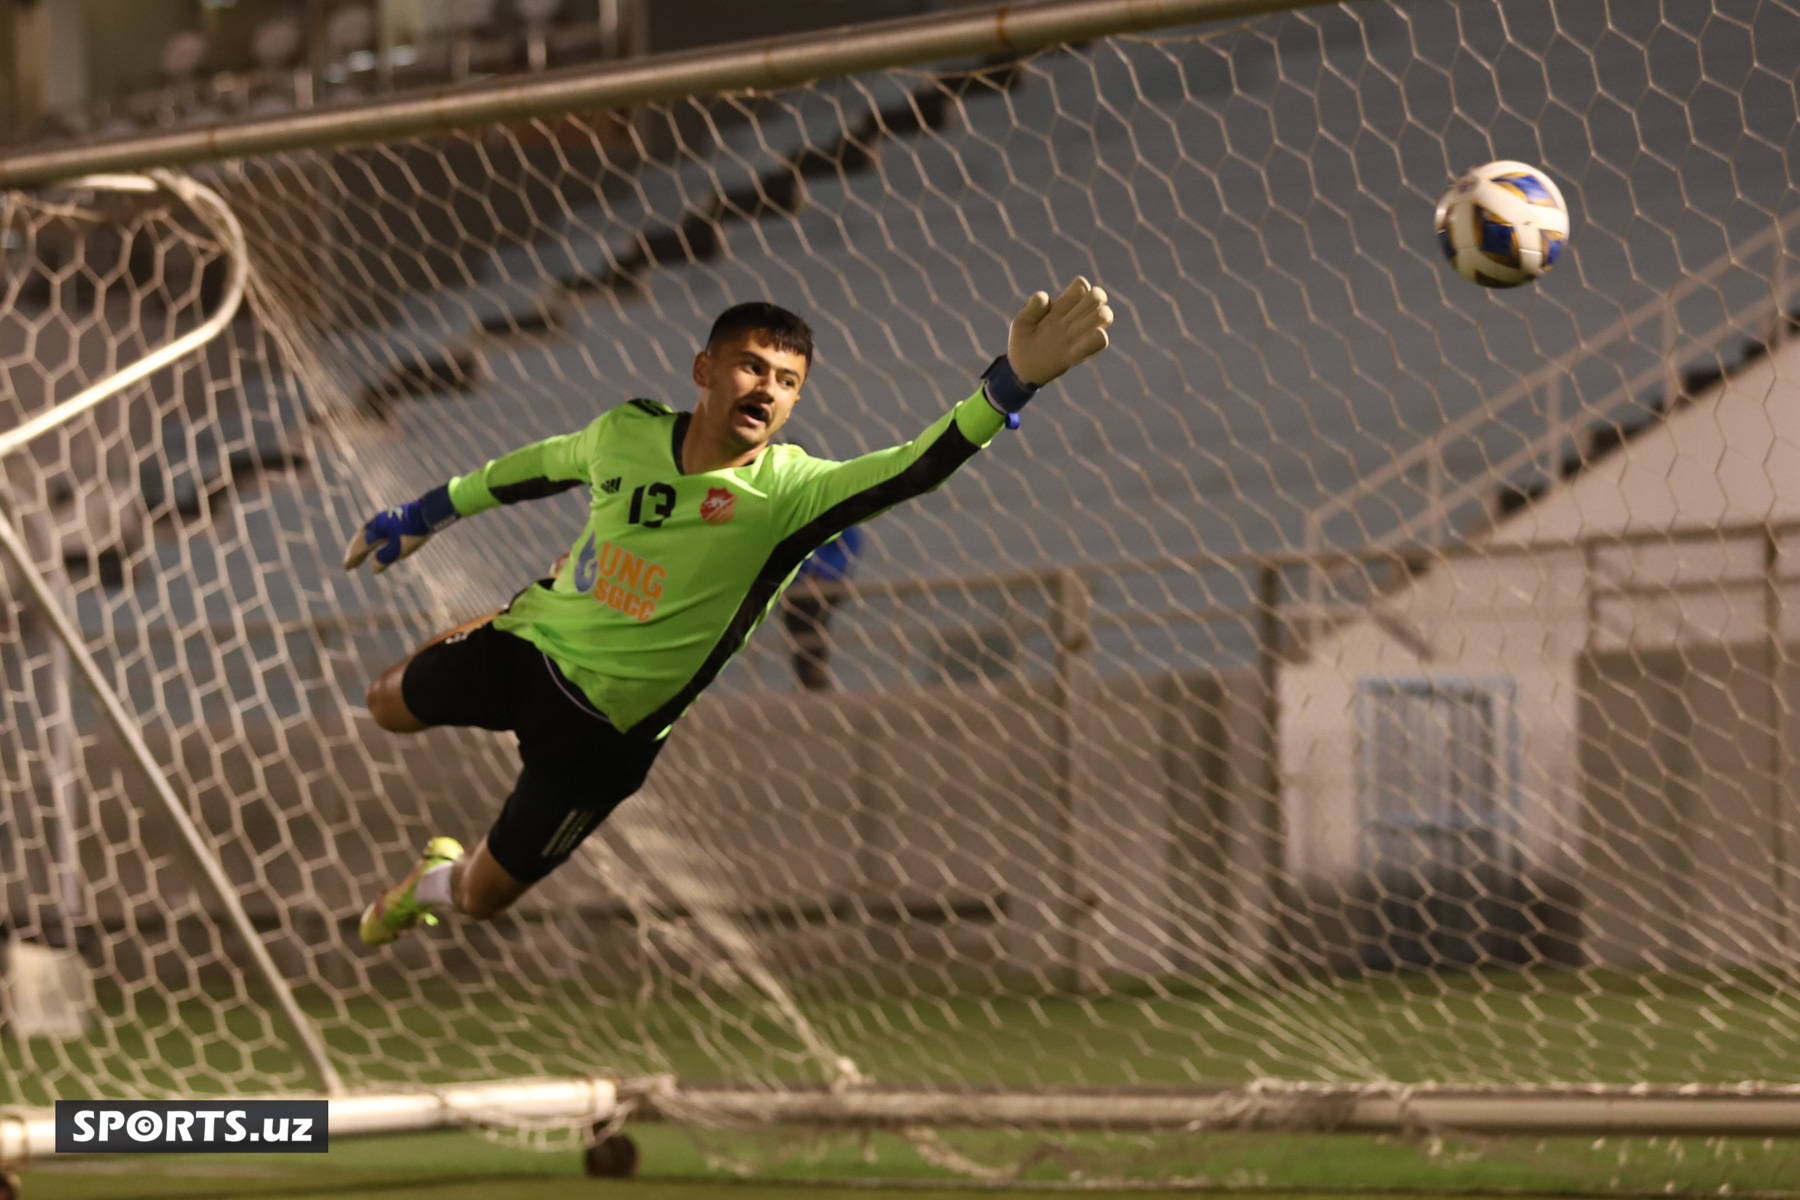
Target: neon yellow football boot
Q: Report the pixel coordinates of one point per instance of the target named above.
(397, 910)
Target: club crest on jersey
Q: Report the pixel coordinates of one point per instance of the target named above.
(718, 507)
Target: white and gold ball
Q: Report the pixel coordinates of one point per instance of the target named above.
(1503, 224)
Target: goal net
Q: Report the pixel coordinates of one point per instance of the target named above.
(1354, 681)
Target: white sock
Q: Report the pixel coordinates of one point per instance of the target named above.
(433, 888)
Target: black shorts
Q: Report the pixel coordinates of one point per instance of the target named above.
(576, 766)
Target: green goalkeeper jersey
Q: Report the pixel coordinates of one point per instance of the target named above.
(673, 572)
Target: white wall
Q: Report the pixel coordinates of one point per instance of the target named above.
(1732, 457)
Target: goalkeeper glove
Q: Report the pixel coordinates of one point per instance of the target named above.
(1046, 339)
(398, 532)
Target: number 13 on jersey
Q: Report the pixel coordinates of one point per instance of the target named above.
(660, 503)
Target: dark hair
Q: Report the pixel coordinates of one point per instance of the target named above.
(783, 329)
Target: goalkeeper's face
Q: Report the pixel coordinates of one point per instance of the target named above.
(748, 387)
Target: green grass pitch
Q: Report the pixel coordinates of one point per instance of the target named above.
(1505, 1027)
(1500, 1025)
(455, 1164)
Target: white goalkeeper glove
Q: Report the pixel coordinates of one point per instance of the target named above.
(1047, 338)
(398, 532)
(1050, 336)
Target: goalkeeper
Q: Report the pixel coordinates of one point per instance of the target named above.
(697, 523)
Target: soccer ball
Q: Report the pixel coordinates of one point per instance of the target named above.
(1503, 224)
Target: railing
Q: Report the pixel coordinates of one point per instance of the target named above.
(1068, 608)
(1658, 319)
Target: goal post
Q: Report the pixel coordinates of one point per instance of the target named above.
(26, 1134)
(218, 219)
(1358, 701)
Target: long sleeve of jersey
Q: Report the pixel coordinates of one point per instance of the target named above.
(529, 473)
(816, 499)
(827, 498)
(673, 571)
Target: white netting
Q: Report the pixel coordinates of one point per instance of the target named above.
(1353, 677)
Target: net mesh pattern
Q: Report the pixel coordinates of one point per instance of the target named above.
(1353, 676)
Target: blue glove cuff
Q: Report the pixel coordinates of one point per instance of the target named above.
(436, 510)
(416, 518)
(1005, 390)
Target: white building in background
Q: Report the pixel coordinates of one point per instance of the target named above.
(1571, 734)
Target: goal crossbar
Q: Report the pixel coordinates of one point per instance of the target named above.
(776, 63)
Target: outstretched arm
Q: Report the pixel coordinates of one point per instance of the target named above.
(530, 473)
(1047, 338)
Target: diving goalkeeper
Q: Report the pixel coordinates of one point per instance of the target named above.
(697, 523)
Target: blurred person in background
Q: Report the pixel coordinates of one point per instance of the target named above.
(807, 605)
